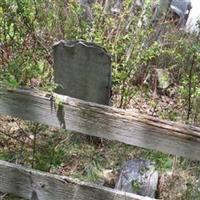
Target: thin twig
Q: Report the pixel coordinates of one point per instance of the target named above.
(36, 126)
(190, 87)
(14, 138)
(22, 130)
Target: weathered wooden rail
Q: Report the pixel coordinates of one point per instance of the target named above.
(103, 121)
(35, 185)
(91, 119)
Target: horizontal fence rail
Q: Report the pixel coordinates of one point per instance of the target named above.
(35, 185)
(103, 121)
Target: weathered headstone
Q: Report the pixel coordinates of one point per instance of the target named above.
(138, 176)
(82, 70)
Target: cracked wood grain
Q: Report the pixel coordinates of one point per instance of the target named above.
(105, 122)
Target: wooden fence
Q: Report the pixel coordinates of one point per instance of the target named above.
(35, 185)
(91, 119)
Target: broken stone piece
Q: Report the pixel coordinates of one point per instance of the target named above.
(138, 176)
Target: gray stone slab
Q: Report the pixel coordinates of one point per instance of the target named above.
(138, 176)
(82, 70)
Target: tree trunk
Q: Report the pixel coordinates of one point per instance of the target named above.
(86, 4)
(161, 11)
(113, 6)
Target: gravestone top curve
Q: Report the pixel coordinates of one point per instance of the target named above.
(82, 70)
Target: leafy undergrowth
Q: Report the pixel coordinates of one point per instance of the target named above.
(90, 159)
